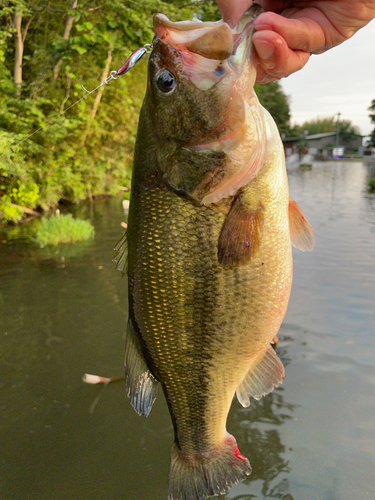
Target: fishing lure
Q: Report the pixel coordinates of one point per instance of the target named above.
(131, 61)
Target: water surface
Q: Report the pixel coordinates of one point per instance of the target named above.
(63, 314)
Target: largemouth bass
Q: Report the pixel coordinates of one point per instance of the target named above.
(209, 247)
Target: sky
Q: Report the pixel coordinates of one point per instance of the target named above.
(342, 80)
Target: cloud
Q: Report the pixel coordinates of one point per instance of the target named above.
(340, 80)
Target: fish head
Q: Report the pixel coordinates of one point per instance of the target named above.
(202, 108)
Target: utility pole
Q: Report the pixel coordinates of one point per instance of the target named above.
(338, 129)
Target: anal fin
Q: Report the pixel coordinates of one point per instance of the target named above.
(265, 373)
(141, 385)
(301, 231)
(241, 234)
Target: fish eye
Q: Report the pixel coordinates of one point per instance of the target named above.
(166, 81)
(219, 71)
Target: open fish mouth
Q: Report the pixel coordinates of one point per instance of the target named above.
(242, 35)
(212, 40)
(240, 55)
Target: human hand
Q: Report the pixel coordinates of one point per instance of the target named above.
(289, 31)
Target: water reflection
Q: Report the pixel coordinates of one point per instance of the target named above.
(313, 437)
(257, 432)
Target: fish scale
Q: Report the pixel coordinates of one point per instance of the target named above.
(198, 308)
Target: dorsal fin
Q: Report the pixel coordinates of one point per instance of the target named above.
(301, 231)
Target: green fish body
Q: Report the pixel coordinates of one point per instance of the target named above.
(209, 247)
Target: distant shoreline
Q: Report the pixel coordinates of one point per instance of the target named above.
(346, 160)
(342, 160)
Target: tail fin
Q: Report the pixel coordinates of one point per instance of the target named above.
(206, 475)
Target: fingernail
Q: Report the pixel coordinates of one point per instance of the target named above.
(265, 52)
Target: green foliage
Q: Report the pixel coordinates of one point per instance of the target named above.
(371, 183)
(24, 195)
(63, 229)
(348, 131)
(372, 118)
(372, 139)
(70, 151)
(316, 126)
(273, 98)
(76, 153)
(372, 109)
(15, 198)
(9, 212)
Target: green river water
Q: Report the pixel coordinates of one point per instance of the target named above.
(64, 313)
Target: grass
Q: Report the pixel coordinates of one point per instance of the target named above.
(62, 229)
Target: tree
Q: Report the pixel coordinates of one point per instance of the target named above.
(347, 130)
(372, 118)
(316, 126)
(68, 28)
(372, 109)
(47, 50)
(273, 98)
(17, 13)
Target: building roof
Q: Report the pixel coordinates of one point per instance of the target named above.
(293, 138)
(321, 136)
(309, 137)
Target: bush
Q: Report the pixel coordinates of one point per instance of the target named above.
(15, 198)
(62, 229)
(371, 183)
(69, 144)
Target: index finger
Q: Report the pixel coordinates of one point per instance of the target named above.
(307, 29)
(275, 59)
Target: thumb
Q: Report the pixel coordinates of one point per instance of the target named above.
(275, 59)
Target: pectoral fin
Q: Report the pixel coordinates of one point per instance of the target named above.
(141, 385)
(266, 372)
(241, 234)
(301, 231)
